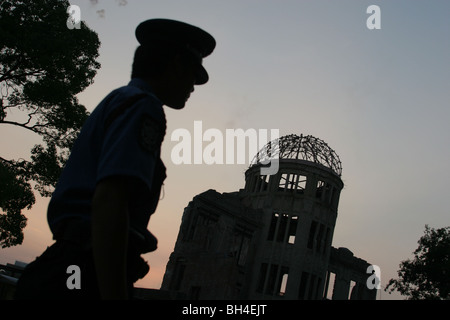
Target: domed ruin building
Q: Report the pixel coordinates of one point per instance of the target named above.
(272, 239)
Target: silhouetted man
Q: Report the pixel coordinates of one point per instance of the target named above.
(111, 184)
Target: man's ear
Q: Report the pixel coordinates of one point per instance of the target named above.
(172, 68)
(176, 62)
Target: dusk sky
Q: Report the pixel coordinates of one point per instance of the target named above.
(379, 98)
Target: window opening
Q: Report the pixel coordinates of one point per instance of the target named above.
(270, 287)
(331, 281)
(282, 282)
(320, 189)
(351, 288)
(320, 237)
(242, 256)
(312, 286)
(283, 182)
(292, 181)
(264, 183)
(319, 289)
(303, 285)
(262, 277)
(301, 184)
(282, 228)
(292, 229)
(327, 240)
(312, 232)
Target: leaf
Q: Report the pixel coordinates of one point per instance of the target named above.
(427, 275)
(43, 66)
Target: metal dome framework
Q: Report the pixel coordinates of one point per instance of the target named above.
(301, 147)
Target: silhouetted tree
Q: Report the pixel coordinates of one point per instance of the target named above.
(43, 65)
(427, 276)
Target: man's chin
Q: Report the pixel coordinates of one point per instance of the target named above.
(177, 105)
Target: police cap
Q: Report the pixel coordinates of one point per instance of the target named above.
(185, 37)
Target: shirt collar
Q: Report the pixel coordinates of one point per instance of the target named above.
(143, 85)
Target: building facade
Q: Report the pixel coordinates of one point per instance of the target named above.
(272, 239)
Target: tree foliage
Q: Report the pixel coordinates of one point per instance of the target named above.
(427, 276)
(43, 65)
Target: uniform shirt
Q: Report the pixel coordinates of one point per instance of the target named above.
(115, 142)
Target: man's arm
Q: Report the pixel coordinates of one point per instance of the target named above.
(110, 236)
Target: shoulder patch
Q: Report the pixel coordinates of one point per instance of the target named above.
(151, 134)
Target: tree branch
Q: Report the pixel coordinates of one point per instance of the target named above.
(30, 116)
(5, 75)
(22, 125)
(7, 161)
(8, 76)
